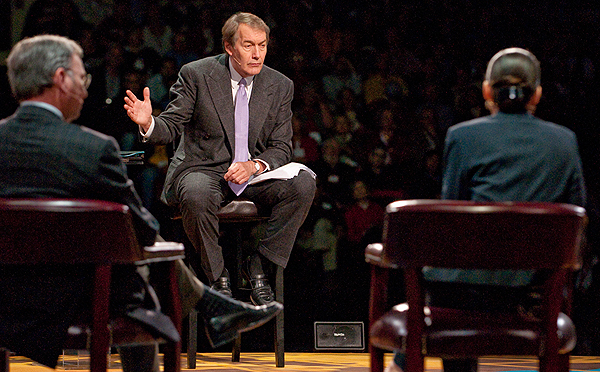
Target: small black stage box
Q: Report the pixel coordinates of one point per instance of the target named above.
(348, 336)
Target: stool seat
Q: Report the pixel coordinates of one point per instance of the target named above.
(239, 210)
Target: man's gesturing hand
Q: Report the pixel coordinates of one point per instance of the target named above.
(139, 111)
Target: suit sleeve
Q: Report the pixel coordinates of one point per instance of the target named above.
(454, 184)
(182, 100)
(116, 186)
(577, 189)
(278, 146)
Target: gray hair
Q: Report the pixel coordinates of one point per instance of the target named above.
(230, 28)
(33, 61)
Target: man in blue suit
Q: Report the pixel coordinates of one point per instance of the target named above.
(510, 155)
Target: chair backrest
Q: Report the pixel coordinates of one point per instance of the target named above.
(491, 235)
(66, 231)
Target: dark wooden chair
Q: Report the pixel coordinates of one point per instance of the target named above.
(101, 234)
(234, 218)
(471, 235)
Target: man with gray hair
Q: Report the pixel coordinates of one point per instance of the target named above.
(232, 117)
(43, 155)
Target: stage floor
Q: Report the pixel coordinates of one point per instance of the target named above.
(302, 362)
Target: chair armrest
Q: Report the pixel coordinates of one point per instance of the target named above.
(161, 252)
(373, 255)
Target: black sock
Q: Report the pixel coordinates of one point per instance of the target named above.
(224, 274)
(255, 265)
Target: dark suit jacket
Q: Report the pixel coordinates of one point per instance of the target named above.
(509, 157)
(202, 110)
(514, 157)
(43, 156)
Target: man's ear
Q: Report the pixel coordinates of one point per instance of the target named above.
(228, 48)
(486, 89)
(535, 98)
(59, 77)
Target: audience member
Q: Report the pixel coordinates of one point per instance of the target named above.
(382, 84)
(305, 148)
(335, 176)
(183, 50)
(157, 34)
(362, 217)
(160, 83)
(60, 17)
(342, 76)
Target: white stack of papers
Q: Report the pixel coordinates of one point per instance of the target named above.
(285, 172)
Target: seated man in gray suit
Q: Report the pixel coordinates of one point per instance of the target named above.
(44, 155)
(235, 117)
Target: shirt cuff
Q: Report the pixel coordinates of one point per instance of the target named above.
(267, 168)
(148, 133)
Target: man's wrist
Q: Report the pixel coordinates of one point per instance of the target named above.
(256, 167)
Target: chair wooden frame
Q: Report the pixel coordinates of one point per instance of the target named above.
(100, 233)
(236, 216)
(472, 235)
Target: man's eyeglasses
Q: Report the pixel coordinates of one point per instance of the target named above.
(87, 79)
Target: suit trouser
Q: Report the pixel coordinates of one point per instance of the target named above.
(201, 195)
(144, 358)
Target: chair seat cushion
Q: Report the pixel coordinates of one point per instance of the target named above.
(456, 333)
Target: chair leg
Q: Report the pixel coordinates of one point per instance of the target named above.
(555, 363)
(239, 258)
(172, 350)
(100, 335)
(4, 360)
(236, 350)
(564, 362)
(192, 345)
(376, 357)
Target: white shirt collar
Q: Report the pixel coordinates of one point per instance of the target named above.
(236, 77)
(44, 105)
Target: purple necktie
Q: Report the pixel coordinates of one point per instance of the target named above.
(241, 132)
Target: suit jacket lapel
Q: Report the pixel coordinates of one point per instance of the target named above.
(258, 107)
(219, 88)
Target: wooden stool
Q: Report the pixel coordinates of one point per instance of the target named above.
(234, 217)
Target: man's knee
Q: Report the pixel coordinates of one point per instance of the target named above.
(305, 186)
(199, 192)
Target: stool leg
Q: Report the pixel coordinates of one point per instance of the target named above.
(239, 258)
(279, 336)
(192, 345)
(237, 347)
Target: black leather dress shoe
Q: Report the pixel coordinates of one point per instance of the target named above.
(223, 286)
(225, 317)
(261, 293)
